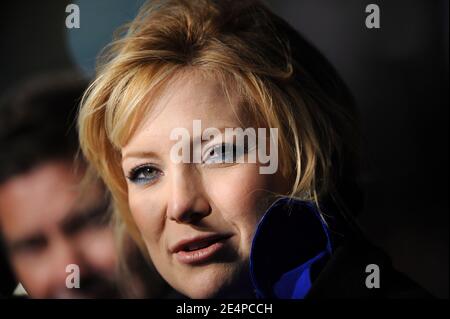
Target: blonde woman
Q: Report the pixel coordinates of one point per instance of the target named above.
(214, 221)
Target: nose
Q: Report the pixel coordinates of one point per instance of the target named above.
(188, 202)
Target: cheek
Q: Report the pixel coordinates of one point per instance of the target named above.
(99, 249)
(241, 194)
(241, 190)
(148, 214)
(32, 275)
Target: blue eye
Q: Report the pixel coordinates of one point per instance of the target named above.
(143, 174)
(222, 153)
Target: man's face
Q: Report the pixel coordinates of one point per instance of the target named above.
(47, 223)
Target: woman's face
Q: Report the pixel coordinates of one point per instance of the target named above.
(196, 219)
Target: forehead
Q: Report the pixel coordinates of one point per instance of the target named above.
(188, 97)
(39, 199)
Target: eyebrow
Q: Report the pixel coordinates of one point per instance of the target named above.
(28, 240)
(139, 154)
(98, 215)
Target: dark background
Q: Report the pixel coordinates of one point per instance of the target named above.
(398, 75)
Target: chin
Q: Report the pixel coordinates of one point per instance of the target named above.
(205, 292)
(206, 285)
(216, 282)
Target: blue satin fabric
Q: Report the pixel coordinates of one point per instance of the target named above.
(289, 240)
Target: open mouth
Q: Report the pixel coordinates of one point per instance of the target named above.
(200, 249)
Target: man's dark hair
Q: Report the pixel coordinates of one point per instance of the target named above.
(38, 122)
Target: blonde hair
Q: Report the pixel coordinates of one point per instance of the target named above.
(282, 80)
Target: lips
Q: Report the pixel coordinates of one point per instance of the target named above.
(199, 249)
